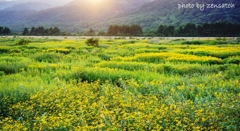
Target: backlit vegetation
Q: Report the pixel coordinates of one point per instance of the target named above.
(122, 84)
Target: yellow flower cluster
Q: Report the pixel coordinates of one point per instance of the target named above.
(95, 106)
(120, 85)
(219, 52)
(44, 66)
(169, 56)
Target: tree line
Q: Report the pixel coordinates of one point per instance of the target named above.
(218, 29)
(4, 30)
(41, 31)
(132, 30)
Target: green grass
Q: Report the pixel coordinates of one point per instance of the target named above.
(198, 74)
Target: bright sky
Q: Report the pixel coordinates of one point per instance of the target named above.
(94, 1)
(52, 2)
(38, 0)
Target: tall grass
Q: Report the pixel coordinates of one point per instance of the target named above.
(11, 65)
(172, 57)
(120, 85)
(165, 68)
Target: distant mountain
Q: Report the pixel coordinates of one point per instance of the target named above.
(81, 15)
(6, 4)
(9, 3)
(152, 14)
(14, 11)
(37, 6)
(12, 17)
(75, 16)
(84, 10)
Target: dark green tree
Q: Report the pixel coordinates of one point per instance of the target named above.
(50, 31)
(170, 30)
(190, 30)
(32, 32)
(6, 31)
(125, 29)
(199, 30)
(1, 28)
(101, 33)
(179, 32)
(56, 31)
(113, 30)
(46, 32)
(25, 31)
(161, 30)
(91, 32)
(206, 30)
(135, 30)
(40, 30)
(110, 30)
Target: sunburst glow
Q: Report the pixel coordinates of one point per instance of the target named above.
(95, 1)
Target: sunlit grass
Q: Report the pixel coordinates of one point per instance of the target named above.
(124, 84)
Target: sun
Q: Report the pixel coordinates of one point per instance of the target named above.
(95, 1)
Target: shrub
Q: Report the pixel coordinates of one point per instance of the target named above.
(15, 50)
(221, 39)
(4, 49)
(48, 57)
(238, 39)
(178, 40)
(232, 60)
(92, 42)
(23, 42)
(64, 51)
(193, 42)
(218, 42)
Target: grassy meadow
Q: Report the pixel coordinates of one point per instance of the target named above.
(123, 84)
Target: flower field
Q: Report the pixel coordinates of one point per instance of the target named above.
(123, 84)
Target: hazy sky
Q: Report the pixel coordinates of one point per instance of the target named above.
(52, 2)
(39, 0)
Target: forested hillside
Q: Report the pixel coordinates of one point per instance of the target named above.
(151, 15)
(80, 16)
(37, 6)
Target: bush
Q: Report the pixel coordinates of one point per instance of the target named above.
(64, 51)
(193, 42)
(178, 40)
(218, 43)
(232, 60)
(92, 42)
(15, 50)
(48, 57)
(23, 42)
(238, 39)
(221, 39)
(4, 49)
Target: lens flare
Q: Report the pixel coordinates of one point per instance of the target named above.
(95, 1)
